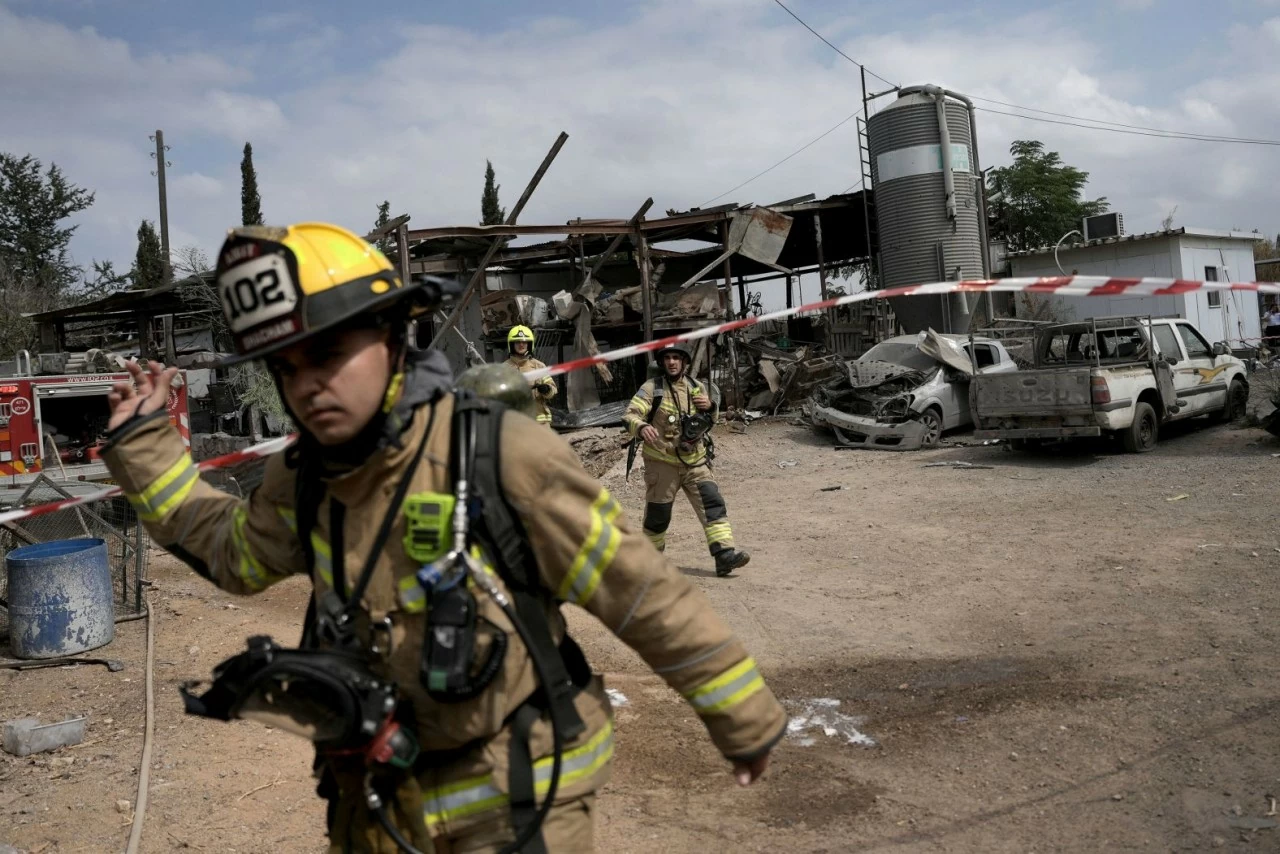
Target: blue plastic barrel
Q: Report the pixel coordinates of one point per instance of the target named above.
(60, 598)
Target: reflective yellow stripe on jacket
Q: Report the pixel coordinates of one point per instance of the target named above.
(726, 690)
(167, 491)
(470, 797)
(596, 553)
(250, 570)
(639, 412)
(323, 554)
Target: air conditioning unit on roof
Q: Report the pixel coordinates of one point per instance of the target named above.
(1102, 225)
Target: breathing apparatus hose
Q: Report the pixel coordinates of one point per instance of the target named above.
(396, 836)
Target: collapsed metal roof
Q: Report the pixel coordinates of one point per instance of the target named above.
(452, 249)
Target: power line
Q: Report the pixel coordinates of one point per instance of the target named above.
(858, 183)
(825, 133)
(1218, 137)
(833, 47)
(1170, 135)
(1095, 124)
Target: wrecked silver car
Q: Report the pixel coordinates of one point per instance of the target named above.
(904, 393)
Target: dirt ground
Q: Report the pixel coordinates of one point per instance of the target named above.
(1072, 651)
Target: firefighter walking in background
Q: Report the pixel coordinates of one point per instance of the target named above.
(520, 356)
(672, 415)
(441, 533)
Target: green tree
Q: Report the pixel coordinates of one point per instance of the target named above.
(148, 262)
(250, 201)
(33, 236)
(104, 281)
(490, 212)
(384, 217)
(1037, 199)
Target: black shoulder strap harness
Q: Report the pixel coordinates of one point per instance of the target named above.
(659, 390)
(498, 528)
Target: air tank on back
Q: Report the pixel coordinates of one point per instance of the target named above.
(924, 171)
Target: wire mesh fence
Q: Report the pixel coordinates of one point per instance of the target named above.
(113, 521)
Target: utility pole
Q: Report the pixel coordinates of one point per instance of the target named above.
(161, 148)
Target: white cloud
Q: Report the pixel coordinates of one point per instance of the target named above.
(681, 102)
(195, 186)
(279, 21)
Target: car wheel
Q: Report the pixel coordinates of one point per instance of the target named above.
(1237, 401)
(1144, 432)
(931, 418)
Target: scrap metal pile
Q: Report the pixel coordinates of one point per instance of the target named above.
(773, 379)
(868, 397)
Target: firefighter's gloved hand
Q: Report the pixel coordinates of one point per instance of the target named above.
(702, 402)
(146, 392)
(543, 387)
(650, 434)
(747, 773)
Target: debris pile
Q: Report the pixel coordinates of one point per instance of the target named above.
(773, 379)
(600, 449)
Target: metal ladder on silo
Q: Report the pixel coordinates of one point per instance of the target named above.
(869, 218)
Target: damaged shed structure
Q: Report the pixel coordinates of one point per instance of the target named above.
(602, 284)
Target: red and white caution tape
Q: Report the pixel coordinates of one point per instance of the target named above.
(1067, 286)
(257, 452)
(1073, 286)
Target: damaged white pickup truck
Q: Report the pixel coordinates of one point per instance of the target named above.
(904, 393)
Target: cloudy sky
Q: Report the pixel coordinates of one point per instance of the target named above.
(347, 104)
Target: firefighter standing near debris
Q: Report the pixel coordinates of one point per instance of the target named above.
(672, 415)
(463, 657)
(520, 356)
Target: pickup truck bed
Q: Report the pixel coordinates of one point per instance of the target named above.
(1061, 391)
(1123, 375)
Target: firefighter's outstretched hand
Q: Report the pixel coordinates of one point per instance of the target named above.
(702, 402)
(747, 773)
(144, 393)
(650, 435)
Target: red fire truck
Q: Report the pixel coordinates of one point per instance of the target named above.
(57, 424)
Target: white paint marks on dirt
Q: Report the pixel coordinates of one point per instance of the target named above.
(616, 697)
(823, 715)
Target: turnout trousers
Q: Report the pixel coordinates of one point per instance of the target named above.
(663, 481)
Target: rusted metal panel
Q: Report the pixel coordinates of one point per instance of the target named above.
(759, 234)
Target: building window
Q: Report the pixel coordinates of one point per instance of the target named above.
(1215, 297)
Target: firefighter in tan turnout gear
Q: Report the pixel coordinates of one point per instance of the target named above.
(672, 415)
(520, 356)
(437, 682)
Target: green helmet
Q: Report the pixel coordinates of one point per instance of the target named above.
(501, 382)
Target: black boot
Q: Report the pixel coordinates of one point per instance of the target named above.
(729, 560)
